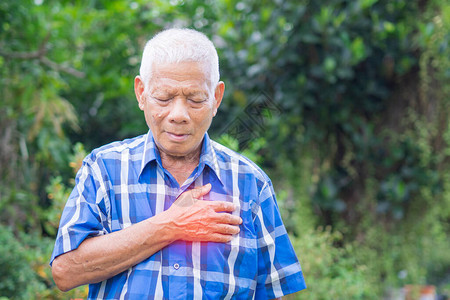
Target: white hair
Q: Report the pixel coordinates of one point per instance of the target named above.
(180, 45)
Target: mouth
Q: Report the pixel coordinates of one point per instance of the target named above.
(177, 137)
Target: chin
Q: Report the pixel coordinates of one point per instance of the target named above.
(178, 149)
(175, 151)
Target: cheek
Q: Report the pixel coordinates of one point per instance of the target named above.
(161, 114)
(204, 118)
(156, 114)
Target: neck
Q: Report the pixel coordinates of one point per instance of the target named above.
(171, 160)
(180, 166)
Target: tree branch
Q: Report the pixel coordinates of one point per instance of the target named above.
(29, 55)
(59, 67)
(40, 54)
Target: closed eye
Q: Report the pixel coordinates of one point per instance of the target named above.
(196, 103)
(162, 100)
(197, 100)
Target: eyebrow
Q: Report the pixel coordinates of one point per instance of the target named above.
(168, 91)
(196, 93)
(162, 89)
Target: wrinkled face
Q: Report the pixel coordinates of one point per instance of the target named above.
(179, 105)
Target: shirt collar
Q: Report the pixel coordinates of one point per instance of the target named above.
(207, 156)
(150, 153)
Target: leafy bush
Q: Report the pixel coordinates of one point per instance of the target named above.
(332, 271)
(17, 278)
(25, 272)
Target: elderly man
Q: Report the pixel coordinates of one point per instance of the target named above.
(173, 214)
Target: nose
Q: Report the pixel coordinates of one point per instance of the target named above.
(179, 111)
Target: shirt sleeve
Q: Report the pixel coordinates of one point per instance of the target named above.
(82, 216)
(279, 271)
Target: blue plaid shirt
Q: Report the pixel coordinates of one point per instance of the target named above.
(123, 183)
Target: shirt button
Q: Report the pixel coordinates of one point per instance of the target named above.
(176, 266)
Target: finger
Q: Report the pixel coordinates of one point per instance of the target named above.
(226, 218)
(222, 206)
(199, 192)
(220, 238)
(227, 229)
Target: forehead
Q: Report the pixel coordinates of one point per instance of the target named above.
(182, 74)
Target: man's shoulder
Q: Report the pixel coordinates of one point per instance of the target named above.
(115, 150)
(226, 157)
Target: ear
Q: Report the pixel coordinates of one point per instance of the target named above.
(139, 91)
(218, 95)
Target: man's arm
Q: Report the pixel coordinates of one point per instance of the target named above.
(279, 272)
(102, 257)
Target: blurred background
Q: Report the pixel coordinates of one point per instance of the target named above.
(344, 103)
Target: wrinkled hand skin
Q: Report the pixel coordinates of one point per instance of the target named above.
(208, 221)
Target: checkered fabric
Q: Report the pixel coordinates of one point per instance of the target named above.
(123, 183)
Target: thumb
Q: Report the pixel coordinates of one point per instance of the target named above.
(199, 192)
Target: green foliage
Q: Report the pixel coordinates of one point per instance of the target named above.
(25, 272)
(58, 192)
(251, 152)
(414, 253)
(34, 113)
(17, 279)
(333, 272)
(37, 252)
